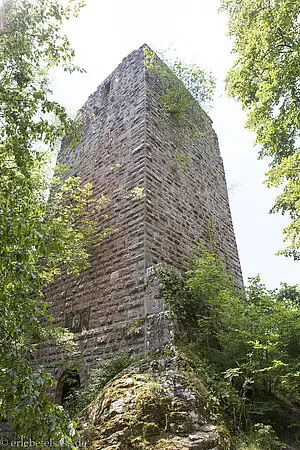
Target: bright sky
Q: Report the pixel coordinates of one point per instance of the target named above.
(108, 30)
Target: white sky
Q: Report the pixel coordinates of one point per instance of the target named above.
(108, 30)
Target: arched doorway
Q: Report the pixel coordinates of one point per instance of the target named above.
(68, 383)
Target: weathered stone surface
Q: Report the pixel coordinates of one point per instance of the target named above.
(152, 405)
(129, 141)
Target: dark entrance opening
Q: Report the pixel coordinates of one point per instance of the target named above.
(68, 383)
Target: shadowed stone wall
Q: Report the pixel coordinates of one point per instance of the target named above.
(130, 141)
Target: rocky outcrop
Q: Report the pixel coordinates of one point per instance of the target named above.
(156, 404)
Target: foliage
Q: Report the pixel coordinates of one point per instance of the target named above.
(136, 193)
(251, 336)
(261, 437)
(183, 84)
(203, 289)
(39, 241)
(286, 174)
(135, 326)
(80, 399)
(265, 80)
(39, 238)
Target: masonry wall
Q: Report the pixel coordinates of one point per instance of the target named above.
(186, 193)
(98, 304)
(129, 141)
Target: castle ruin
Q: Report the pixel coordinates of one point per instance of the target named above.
(165, 189)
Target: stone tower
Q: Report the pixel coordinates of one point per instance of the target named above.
(165, 189)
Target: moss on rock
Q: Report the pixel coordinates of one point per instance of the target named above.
(151, 405)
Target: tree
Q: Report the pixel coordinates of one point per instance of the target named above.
(265, 79)
(249, 338)
(39, 238)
